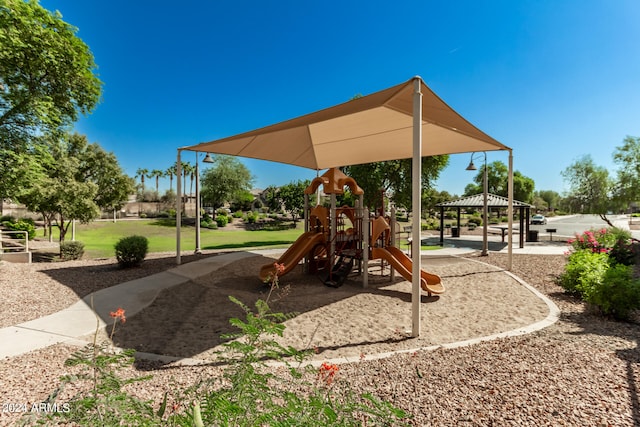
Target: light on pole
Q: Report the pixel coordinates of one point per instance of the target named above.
(485, 207)
(207, 159)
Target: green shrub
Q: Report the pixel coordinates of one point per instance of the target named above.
(25, 224)
(584, 271)
(618, 293)
(71, 250)
(222, 220)
(251, 217)
(237, 214)
(475, 220)
(624, 253)
(7, 218)
(131, 251)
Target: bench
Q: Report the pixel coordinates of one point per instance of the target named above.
(551, 231)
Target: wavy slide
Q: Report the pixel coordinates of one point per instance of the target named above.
(292, 256)
(430, 283)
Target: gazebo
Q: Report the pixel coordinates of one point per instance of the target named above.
(493, 201)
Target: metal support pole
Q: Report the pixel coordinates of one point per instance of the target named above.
(416, 176)
(198, 250)
(178, 206)
(485, 209)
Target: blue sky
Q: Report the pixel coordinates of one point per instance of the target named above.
(552, 79)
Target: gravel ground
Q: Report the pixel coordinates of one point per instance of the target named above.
(583, 370)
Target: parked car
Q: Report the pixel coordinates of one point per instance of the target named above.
(538, 219)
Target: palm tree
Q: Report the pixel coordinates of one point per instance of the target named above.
(170, 173)
(157, 173)
(186, 170)
(141, 172)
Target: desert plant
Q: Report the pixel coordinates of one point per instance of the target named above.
(222, 220)
(102, 399)
(618, 293)
(584, 271)
(250, 396)
(71, 250)
(24, 224)
(131, 251)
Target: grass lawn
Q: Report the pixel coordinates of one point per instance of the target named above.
(100, 237)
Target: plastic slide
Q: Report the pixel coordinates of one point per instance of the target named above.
(430, 283)
(290, 258)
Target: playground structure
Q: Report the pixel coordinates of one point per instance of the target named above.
(337, 239)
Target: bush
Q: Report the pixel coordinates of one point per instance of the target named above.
(25, 224)
(131, 251)
(237, 214)
(475, 220)
(71, 250)
(584, 271)
(222, 220)
(251, 217)
(602, 240)
(618, 293)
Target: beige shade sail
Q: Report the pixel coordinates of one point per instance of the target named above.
(373, 128)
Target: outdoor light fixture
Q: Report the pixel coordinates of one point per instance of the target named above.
(207, 159)
(485, 207)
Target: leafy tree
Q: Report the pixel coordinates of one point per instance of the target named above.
(627, 156)
(394, 177)
(242, 201)
(498, 183)
(590, 188)
(75, 180)
(270, 195)
(551, 199)
(292, 197)
(431, 197)
(225, 181)
(47, 78)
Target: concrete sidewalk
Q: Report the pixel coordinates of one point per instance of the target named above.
(81, 319)
(92, 312)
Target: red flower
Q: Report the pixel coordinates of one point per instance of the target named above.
(279, 268)
(118, 314)
(327, 372)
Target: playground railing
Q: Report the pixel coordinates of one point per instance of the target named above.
(14, 244)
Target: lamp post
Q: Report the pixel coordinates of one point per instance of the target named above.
(485, 207)
(207, 159)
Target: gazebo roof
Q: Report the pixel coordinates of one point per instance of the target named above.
(477, 201)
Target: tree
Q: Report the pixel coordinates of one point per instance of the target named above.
(157, 174)
(394, 176)
(292, 197)
(590, 188)
(270, 195)
(225, 180)
(551, 198)
(75, 180)
(498, 183)
(142, 173)
(627, 157)
(170, 172)
(47, 78)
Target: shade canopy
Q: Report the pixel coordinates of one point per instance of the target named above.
(372, 128)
